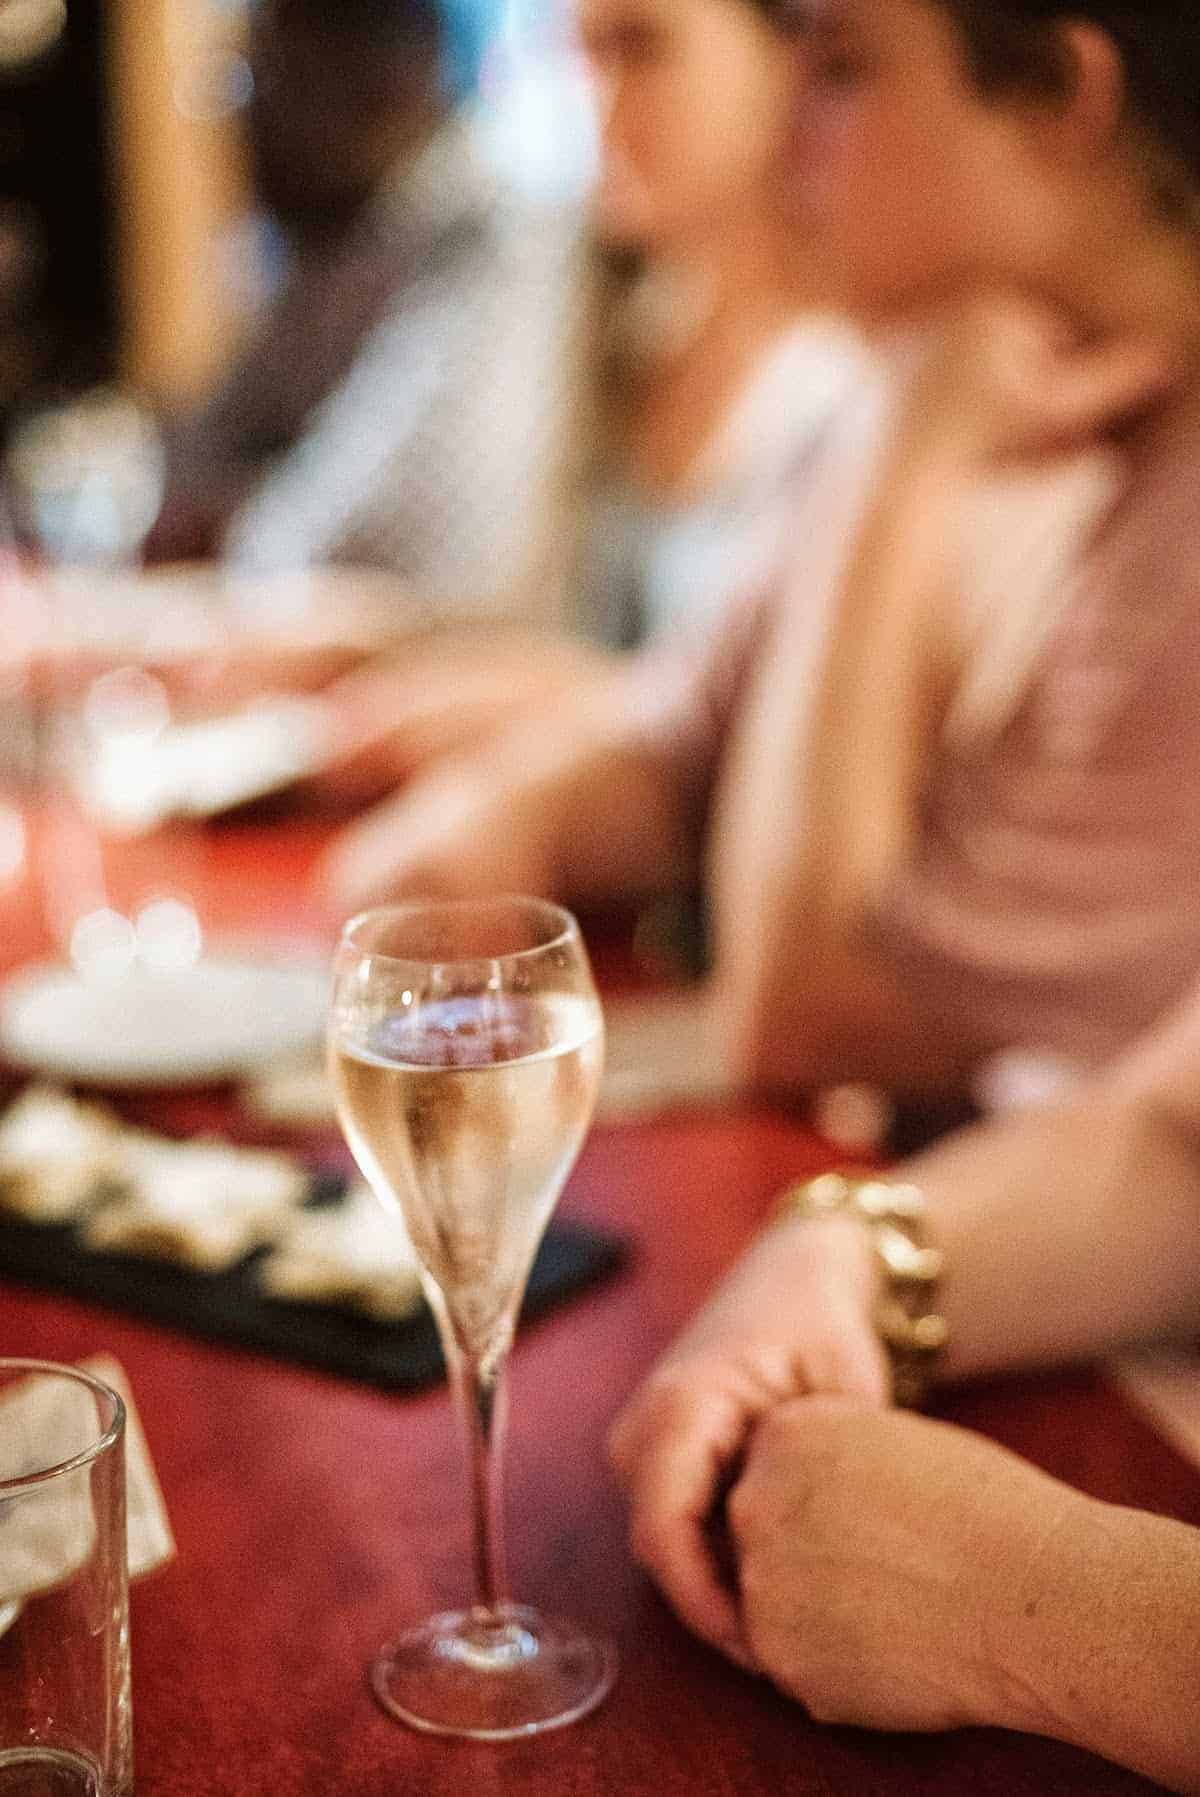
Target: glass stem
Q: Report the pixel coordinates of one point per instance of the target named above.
(481, 1389)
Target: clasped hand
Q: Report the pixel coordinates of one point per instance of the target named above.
(873, 1551)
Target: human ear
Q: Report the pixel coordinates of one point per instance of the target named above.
(1090, 94)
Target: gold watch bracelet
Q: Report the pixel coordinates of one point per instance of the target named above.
(906, 1317)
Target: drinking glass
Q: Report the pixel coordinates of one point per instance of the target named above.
(466, 1044)
(86, 478)
(64, 1628)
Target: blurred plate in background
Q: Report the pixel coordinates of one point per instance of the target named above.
(221, 1019)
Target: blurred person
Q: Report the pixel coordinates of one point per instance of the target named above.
(722, 360)
(715, 371)
(405, 402)
(923, 845)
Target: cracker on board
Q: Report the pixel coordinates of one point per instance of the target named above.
(204, 1204)
(355, 1253)
(56, 1155)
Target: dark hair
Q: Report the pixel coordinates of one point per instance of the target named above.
(379, 24)
(785, 15)
(1015, 43)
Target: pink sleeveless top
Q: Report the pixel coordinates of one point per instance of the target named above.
(1054, 902)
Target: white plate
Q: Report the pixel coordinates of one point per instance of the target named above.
(219, 1020)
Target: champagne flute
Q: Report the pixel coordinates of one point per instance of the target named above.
(465, 1045)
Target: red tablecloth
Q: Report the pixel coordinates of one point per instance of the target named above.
(315, 1516)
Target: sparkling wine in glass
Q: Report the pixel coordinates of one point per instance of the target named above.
(466, 1044)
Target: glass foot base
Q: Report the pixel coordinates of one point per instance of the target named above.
(493, 1676)
(49, 1772)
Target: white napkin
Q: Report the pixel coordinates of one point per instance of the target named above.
(148, 1532)
(48, 1533)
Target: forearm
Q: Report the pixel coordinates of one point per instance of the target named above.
(628, 824)
(1066, 1231)
(1102, 1636)
(628, 768)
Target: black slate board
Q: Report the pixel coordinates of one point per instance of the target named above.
(229, 1307)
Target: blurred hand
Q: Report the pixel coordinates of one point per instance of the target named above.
(472, 826)
(217, 641)
(1004, 379)
(443, 697)
(794, 1317)
(886, 1564)
(292, 632)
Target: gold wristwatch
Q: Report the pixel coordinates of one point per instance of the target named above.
(906, 1317)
